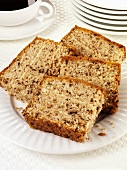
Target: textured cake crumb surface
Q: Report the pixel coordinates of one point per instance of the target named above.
(104, 74)
(39, 58)
(69, 90)
(94, 45)
(67, 107)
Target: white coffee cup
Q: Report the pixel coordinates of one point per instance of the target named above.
(21, 16)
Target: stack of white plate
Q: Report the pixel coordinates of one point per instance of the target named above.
(107, 16)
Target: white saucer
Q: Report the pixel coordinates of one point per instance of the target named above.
(109, 4)
(26, 30)
(103, 10)
(97, 29)
(84, 13)
(98, 13)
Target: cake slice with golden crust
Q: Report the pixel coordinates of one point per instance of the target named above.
(94, 45)
(39, 58)
(99, 72)
(65, 106)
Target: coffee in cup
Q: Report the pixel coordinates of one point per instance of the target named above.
(10, 5)
(23, 11)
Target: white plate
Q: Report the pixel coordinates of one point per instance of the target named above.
(98, 13)
(109, 4)
(98, 19)
(26, 30)
(103, 10)
(102, 31)
(13, 126)
(100, 25)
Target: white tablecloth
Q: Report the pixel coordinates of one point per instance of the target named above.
(14, 157)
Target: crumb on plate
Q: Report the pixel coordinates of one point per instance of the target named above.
(102, 134)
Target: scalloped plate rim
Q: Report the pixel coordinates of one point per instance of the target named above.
(53, 144)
